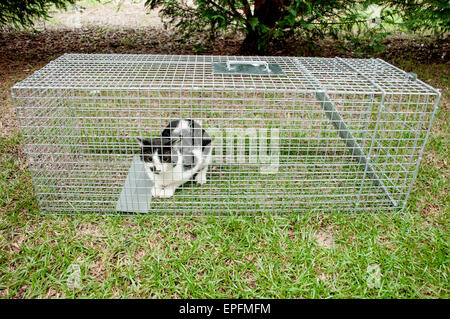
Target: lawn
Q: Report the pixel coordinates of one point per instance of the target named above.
(308, 255)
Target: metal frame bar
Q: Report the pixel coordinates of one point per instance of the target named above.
(422, 149)
(344, 132)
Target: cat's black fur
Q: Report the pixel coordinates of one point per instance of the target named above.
(204, 137)
(162, 145)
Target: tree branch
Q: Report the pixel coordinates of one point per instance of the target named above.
(233, 8)
(247, 10)
(224, 10)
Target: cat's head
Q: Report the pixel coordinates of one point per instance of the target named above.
(159, 153)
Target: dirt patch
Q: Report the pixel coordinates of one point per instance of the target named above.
(8, 120)
(97, 269)
(430, 214)
(11, 71)
(4, 292)
(139, 254)
(88, 229)
(250, 279)
(53, 293)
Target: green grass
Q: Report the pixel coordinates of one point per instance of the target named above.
(309, 255)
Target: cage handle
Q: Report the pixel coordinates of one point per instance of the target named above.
(253, 63)
(411, 76)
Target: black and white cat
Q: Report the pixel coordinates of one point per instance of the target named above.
(182, 151)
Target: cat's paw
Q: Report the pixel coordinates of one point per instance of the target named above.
(197, 152)
(200, 178)
(166, 192)
(155, 192)
(162, 192)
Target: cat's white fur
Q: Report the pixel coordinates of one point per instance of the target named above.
(170, 177)
(183, 125)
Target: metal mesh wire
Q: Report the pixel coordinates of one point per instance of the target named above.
(329, 134)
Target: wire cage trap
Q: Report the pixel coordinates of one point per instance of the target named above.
(288, 134)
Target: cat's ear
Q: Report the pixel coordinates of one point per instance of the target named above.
(144, 141)
(171, 140)
(207, 140)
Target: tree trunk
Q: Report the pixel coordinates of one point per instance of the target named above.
(268, 12)
(250, 43)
